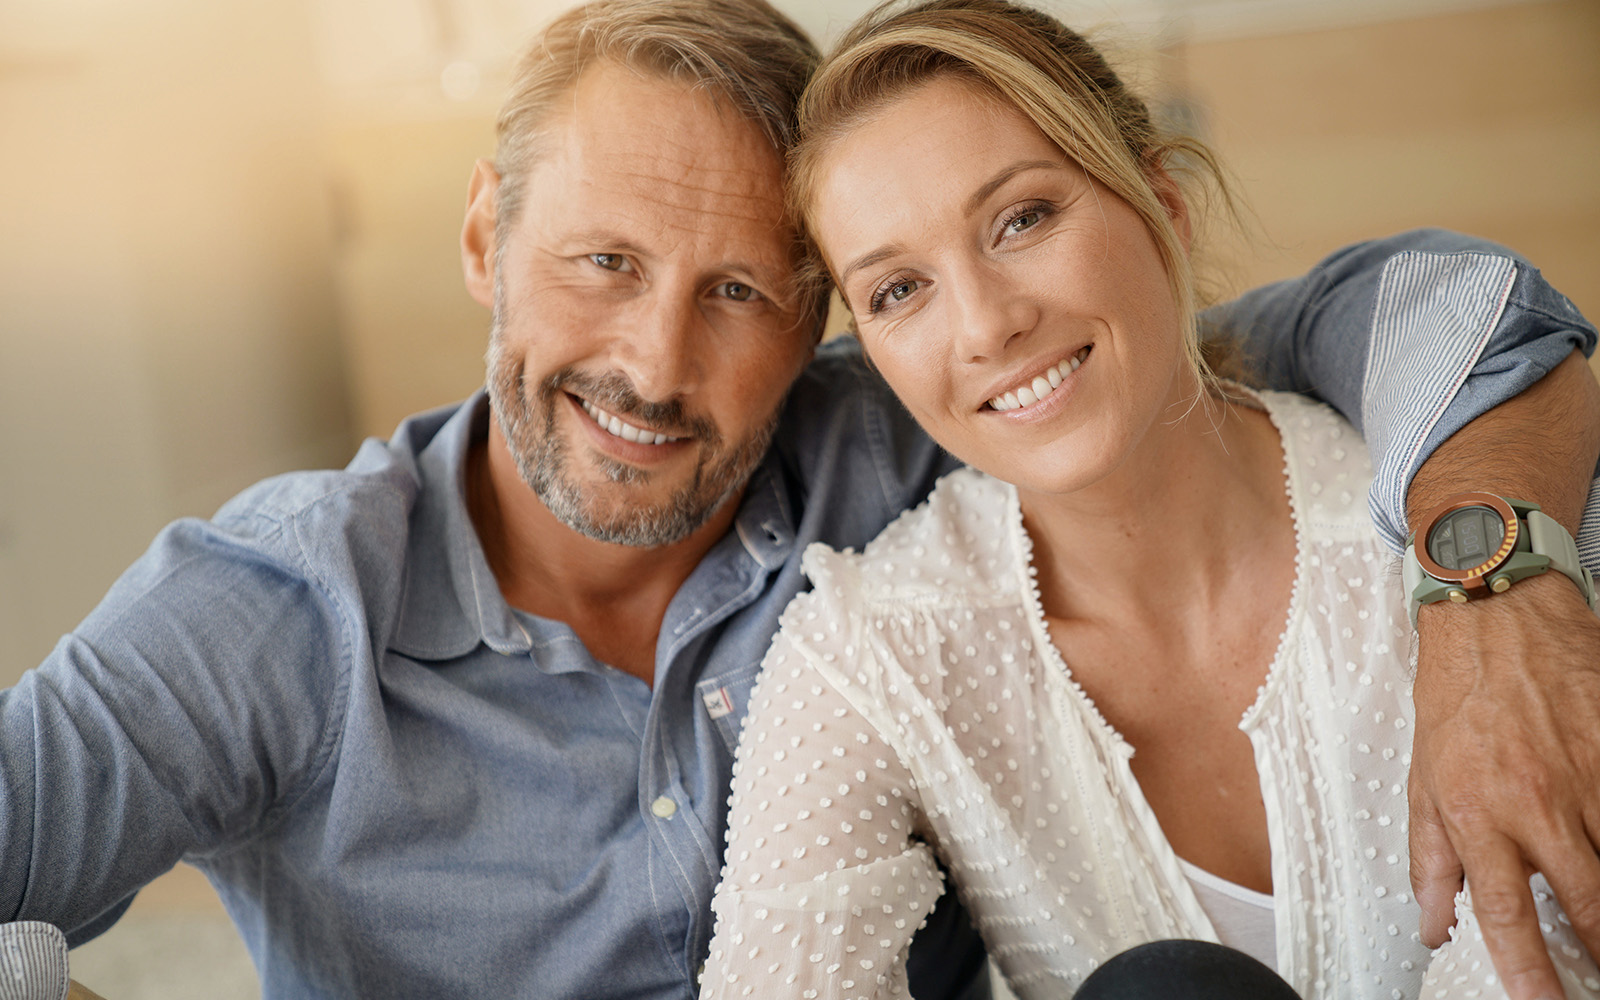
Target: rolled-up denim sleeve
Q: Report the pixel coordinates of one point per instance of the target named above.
(1411, 338)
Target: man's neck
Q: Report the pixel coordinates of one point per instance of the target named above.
(613, 596)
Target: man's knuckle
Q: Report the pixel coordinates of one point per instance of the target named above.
(1496, 903)
(1583, 910)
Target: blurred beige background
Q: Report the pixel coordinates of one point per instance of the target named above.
(229, 244)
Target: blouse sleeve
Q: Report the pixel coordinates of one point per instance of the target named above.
(823, 884)
(1461, 968)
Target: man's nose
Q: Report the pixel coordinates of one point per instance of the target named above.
(990, 312)
(659, 347)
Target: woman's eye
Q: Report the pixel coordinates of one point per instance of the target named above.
(609, 261)
(737, 291)
(1023, 221)
(897, 292)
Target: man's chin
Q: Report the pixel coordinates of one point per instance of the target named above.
(640, 515)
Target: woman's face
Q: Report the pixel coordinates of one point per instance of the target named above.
(1018, 308)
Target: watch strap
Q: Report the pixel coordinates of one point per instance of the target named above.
(1546, 538)
(1549, 538)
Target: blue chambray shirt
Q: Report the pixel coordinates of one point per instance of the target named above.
(403, 787)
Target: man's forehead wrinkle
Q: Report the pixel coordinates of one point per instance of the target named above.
(691, 198)
(684, 165)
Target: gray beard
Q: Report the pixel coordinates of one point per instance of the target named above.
(528, 421)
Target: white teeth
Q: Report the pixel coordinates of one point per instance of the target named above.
(625, 431)
(1041, 386)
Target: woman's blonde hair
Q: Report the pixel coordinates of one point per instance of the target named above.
(1041, 67)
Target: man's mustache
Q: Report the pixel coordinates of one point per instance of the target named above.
(615, 394)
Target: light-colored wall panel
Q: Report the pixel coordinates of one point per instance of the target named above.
(1487, 121)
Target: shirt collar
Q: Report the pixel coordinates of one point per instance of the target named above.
(451, 599)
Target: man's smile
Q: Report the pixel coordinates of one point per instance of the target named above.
(616, 427)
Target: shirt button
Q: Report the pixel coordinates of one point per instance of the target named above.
(664, 807)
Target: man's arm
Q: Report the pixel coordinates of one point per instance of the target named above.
(1419, 340)
(170, 721)
(1507, 748)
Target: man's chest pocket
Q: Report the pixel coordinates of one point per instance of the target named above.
(726, 699)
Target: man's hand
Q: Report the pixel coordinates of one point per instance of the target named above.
(1505, 776)
(1506, 772)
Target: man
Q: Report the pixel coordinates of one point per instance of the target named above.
(458, 720)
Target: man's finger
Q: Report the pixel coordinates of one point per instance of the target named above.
(1435, 871)
(1503, 903)
(1572, 868)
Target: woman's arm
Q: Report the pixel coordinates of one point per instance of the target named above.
(823, 885)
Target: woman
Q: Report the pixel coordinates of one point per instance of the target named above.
(1140, 558)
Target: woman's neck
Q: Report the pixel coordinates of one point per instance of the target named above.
(1160, 534)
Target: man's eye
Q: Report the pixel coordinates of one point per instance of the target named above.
(738, 292)
(609, 261)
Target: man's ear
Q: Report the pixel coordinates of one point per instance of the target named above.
(478, 235)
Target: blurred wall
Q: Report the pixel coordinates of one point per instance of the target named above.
(1486, 121)
(168, 321)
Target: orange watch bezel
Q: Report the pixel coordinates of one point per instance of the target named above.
(1475, 578)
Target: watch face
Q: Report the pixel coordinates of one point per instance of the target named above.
(1466, 538)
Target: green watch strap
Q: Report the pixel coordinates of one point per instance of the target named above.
(1549, 538)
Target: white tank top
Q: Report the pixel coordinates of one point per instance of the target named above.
(1242, 918)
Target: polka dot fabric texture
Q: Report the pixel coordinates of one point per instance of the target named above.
(913, 704)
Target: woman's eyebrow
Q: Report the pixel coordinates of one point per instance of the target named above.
(973, 202)
(994, 183)
(868, 259)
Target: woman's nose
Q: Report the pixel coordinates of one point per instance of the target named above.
(991, 312)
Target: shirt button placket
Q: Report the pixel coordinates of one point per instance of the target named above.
(663, 807)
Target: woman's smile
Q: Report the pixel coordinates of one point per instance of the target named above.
(1038, 388)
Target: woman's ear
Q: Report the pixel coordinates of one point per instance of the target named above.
(478, 242)
(1171, 198)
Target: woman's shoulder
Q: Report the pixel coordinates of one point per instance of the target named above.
(958, 543)
(1327, 470)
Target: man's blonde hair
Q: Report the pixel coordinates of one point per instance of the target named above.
(1033, 62)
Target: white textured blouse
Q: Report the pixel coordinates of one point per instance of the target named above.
(913, 705)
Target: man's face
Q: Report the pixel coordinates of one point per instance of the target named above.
(644, 330)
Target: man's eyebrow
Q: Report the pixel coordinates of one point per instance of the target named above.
(605, 241)
(994, 183)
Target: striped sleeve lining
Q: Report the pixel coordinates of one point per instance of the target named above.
(1589, 531)
(33, 962)
(1433, 316)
